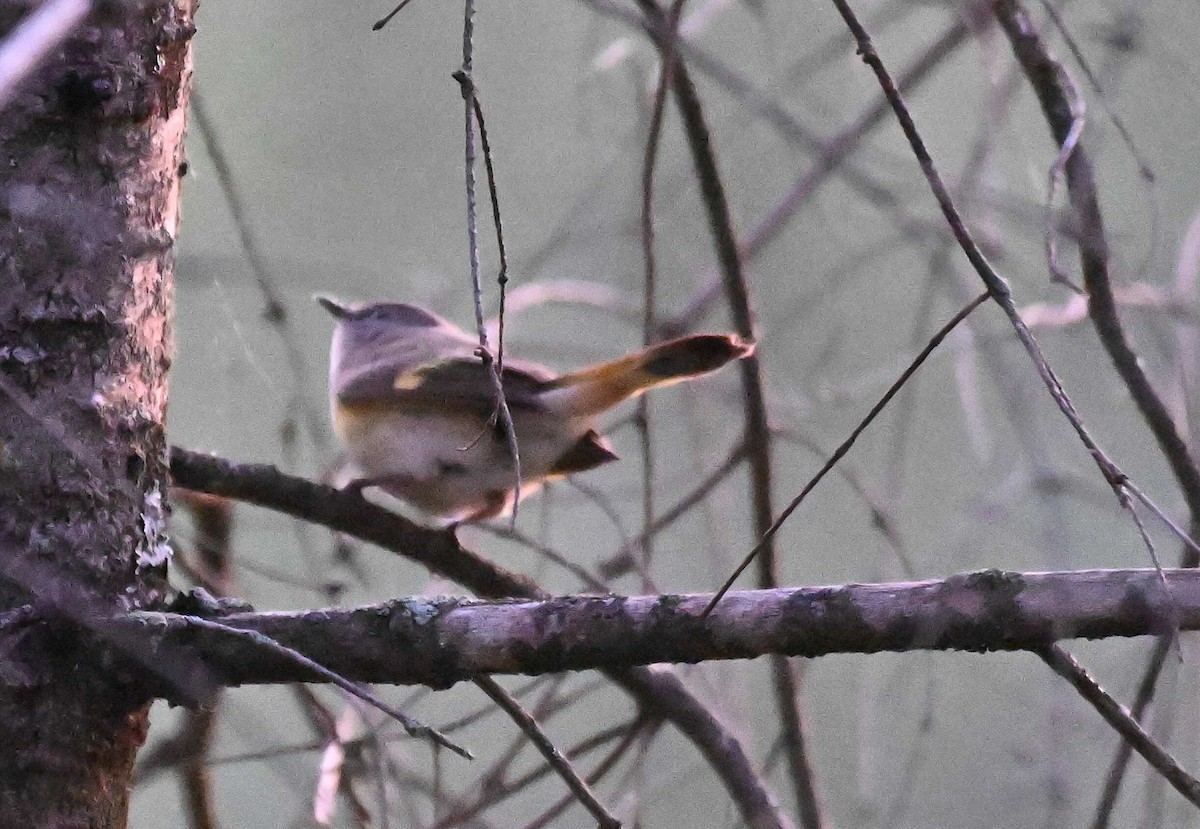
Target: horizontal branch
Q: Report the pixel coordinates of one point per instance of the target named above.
(657, 692)
(441, 641)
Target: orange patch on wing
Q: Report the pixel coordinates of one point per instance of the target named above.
(351, 421)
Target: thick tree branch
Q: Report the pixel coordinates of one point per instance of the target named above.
(658, 692)
(438, 642)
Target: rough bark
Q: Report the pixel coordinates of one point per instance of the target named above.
(659, 692)
(89, 210)
(441, 641)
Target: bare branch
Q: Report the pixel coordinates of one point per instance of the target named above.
(757, 429)
(847, 444)
(441, 641)
(1119, 718)
(525, 721)
(1056, 92)
(464, 813)
(466, 83)
(658, 692)
(267, 643)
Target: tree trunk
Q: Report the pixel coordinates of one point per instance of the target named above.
(89, 209)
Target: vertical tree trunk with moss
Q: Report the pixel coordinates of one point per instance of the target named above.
(92, 155)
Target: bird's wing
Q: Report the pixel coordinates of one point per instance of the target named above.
(457, 382)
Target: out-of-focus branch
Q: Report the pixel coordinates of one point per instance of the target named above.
(1056, 92)
(554, 758)
(503, 790)
(33, 39)
(188, 748)
(757, 430)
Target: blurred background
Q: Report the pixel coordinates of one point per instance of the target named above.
(345, 149)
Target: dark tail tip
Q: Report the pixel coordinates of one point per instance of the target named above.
(697, 354)
(331, 305)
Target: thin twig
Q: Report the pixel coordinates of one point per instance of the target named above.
(619, 564)
(846, 445)
(494, 195)
(387, 18)
(412, 726)
(1145, 171)
(484, 711)
(274, 310)
(1120, 719)
(1147, 541)
(831, 160)
(548, 553)
(997, 112)
(1095, 267)
(1055, 90)
(467, 86)
(602, 768)
(996, 285)
(1144, 168)
(1190, 545)
(1141, 703)
(554, 757)
(492, 781)
(463, 813)
(880, 519)
(1057, 170)
(1051, 84)
(832, 155)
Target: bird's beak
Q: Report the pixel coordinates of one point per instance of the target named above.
(332, 305)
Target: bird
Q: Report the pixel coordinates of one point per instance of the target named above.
(413, 403)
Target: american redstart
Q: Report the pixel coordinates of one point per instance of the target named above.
(412, 401)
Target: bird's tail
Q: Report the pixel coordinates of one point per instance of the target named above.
(591, 390)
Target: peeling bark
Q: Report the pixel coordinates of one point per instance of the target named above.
(90, 172)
